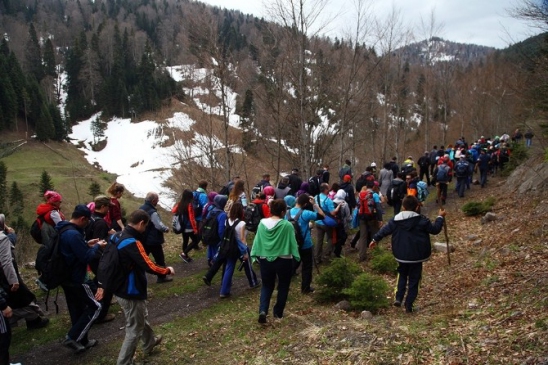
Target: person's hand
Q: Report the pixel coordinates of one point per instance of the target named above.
(171, 270)
(7, 313)
(93, 242)
(380, 223)
(372, 244)
(102, 243)
(442, 212)
(99, 294)
(112, 231)
(245, 257)
(14, 287)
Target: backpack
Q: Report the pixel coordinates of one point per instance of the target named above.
(298, 231)
(253, 215)
(396, 192)
(210, 230)
(407, 168)
(110, 273)
(91, 225)
(461, 169)
(442, 175)
(196, 204)
(257, 189)
(229, 245)
(367, 205)
(313, 186)
(422, 191)
(36, 229)
(177, 224)
(363, 180)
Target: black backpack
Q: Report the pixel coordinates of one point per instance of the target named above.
(253, 215)
(196, 204)
(295, 222)
(314, 186)
(36, 229)
(210, 229)
(50, 264)
(229, 245)
(396, 192)
(110, 273)
(462, 168)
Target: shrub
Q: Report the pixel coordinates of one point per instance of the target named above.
(335, 278)
(383, 262)
(519, 154)
(478, 208)
(368, 292)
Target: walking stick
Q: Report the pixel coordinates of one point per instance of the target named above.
(444, 225)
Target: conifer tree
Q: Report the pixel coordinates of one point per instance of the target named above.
(33, 55)
(8, 98)
(45, 183)
(49, 59)
(61, 129)
(94, 189)
(17, 203)
(3, 186)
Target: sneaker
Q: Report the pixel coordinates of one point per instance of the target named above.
(262, 317)
(167, 279)
(397, 303)
(157, 341)
(109, 317)
(39, 322)
(90, 344)
(224, 296)
(185, 258)
(308, 291)
(409, 308)
(71, 344)
(258, 285)
(206, 281)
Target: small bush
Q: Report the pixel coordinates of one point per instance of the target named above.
(383, 262)
(519, 154)
(368, 292)
(478, 208)
(335, 278)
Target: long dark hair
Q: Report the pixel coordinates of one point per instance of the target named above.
(236, 211)
(186, 199)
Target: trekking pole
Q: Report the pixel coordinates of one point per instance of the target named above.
(444, 227)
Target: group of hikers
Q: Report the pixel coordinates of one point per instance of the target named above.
(282, 219)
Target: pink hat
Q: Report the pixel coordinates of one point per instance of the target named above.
(268, 190)
(376, 183)
(52, 196)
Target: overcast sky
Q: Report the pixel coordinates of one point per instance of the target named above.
(484, 22)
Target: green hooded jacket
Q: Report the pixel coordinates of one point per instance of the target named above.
(275, 242)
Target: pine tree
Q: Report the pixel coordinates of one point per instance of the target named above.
(17, 203)
(49, 59)
(97, 129)
(33, 56)
(45, 183)
(59, 125)
(3, 186)
(8, 98)
(94, 189)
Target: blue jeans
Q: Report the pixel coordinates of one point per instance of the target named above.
(226, 283)
(483, 177)
(461, 183)
(283, 270)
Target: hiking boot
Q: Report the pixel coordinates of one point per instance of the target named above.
(258, 285)
(206, 281)
(185, 258)
(397, 303)
(224, 296)
(71, 344)
(109, 317)
(90, 344)
(37, 323)
(308, 291)
(157, 341)
(262, 317)
(164, 280)
(409, 308)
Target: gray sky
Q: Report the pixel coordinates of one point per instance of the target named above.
(484, 22)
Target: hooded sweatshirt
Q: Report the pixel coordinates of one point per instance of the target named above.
(410, 236)
(275, 239)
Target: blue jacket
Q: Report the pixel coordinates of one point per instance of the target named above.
(410, 236)
(202, 200)
(75, 250)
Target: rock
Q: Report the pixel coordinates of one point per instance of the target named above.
(442, 247)
(477, 242)
(488, 217)
(472, 237)
(366, 315)
(29, 265)
(343, 305)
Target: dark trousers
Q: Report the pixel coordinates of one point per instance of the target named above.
(270, 270)
(194, 241)
(83, 310)
(483, 177)
(424, 171)
(442, 192)
(409, 277)
(5, 340)
(461, 184)
(215, 266)
(157, 252)
(307, 261)
(396, 204)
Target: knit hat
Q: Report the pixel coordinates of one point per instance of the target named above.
(81, 211)
(220, 201)
(52, 196)
(269, 191)
(290, 201)
(211, 195)
(347, 178)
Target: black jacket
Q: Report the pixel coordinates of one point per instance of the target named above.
(410, 236)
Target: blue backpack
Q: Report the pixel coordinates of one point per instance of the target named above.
(442, 176)
(422, 191)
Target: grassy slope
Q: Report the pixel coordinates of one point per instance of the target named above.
(489, 306)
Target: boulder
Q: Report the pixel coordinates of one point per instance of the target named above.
(442, 247)
(343, 305)
(488, 217)
(366, 315)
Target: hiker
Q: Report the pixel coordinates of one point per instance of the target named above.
(462, 171)
(443, 174)
(209, 205)
(350, 196)
(294, 182)
(370, 218)
(374, 170)
(344, 216)
(325, 174)
(411, 180)
(21, 300)
(275, 247)
(517, 136)
(333, 190)
(396, 192)
(259, 187)
(345, 170)
(261, 200)
(529, 138)
(385, 178)
(236, 195)
(218, 215)
(99, 228)
(321, 229)
(482, 163)
(408, 165)
(365, 178)
(153, 238)
(227, 189)
(304, 189)
(283, 188)
(132, 295)
(51, 209)
(200, 201)
(394, 167)
(77, 253)
(433, 159)
(189, 224)
(115, 191)
(314, 183)
(424, 167)
(410, 246)
(5, 328)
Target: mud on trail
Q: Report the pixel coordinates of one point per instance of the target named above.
(160, 310)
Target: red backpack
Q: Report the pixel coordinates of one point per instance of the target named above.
(367, 204)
